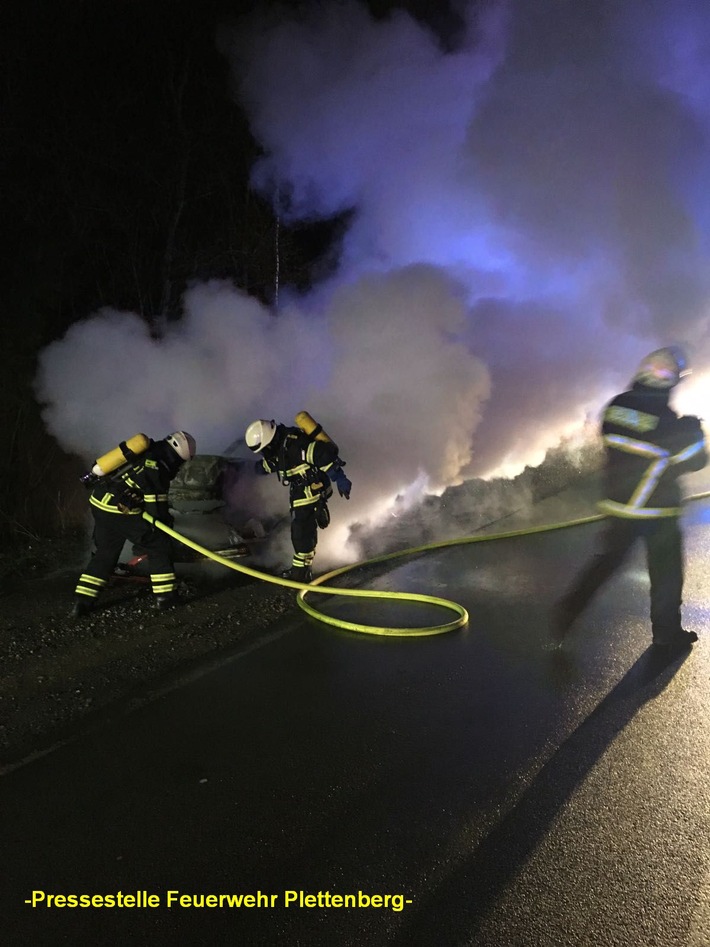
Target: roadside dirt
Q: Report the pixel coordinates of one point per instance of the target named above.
(57, 674)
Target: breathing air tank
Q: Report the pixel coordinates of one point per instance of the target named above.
(311, 428)
(125, 453)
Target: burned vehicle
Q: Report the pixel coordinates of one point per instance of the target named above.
(214, 502)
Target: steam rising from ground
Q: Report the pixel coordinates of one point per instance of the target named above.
(530, 216)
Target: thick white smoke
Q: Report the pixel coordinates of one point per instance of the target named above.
(529, 218)
(360, 369)
(554, 163)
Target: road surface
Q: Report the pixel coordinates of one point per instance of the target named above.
(327, 788)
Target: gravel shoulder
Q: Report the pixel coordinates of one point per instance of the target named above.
(58, 674)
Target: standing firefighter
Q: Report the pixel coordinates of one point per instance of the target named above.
(306, 459)
(647, 448)
(117, 501)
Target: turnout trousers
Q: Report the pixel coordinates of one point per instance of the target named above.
(111, 531)
(304, 537)
(664, 555)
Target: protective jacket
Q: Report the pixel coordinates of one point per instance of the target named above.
(144, 486)
(306, 465)
(647, 448)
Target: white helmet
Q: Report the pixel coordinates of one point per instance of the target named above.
(259, 434)
(183, 444)
(663, 368)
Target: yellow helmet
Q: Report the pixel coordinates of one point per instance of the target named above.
(663, 368)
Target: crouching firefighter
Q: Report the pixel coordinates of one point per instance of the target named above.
(120, 492)
(306, 460)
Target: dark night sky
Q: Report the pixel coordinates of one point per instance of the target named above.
(118, 117)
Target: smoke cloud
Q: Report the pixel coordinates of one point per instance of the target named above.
(529, 217)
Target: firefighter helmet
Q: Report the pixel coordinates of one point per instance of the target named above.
(663, 368)
(259, 434)
(183, 444)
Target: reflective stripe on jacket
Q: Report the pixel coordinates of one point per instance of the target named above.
(303, 464)
(647, 448)
(148, 481)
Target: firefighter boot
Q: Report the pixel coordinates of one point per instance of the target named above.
(166, 601)
(679, 641)
(82, 606)
(298, 574)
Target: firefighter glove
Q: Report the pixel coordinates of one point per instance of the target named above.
(128, 500)
(342, 483)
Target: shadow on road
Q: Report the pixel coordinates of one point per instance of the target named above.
(457, 907)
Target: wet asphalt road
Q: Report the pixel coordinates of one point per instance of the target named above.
(500, 794)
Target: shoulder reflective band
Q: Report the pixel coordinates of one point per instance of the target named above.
(628, 417)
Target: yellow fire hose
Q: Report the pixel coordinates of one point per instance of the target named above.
(316, 586)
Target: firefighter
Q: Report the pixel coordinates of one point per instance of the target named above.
(117, 504)
(308, 465)
(647, 448)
